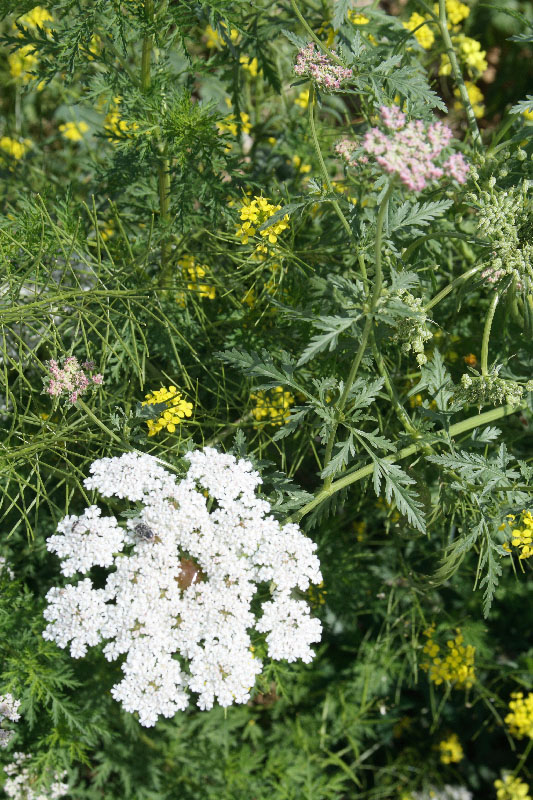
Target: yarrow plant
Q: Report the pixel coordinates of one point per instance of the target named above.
(326, 74)
(8, 711)
(72, 380)
(178, 602)
(20, 783)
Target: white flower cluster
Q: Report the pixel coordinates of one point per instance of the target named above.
(20, 783)
(8, 710)
(186, 571)
(445, 793)
(5, 566)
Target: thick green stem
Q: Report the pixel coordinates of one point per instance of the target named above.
(486, 335)
(447, 289)
(457, 74)
(146, 78)
(314, 37)
(321, 161)
(364, 472)
(376, 293)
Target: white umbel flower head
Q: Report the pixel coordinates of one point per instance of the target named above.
(177, 602)
(20, 783)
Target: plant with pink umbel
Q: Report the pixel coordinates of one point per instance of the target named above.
(71, 380)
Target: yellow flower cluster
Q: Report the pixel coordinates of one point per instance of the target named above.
(450, 750)
(273, 406)
(511, 789)
(469, 51)
(250, 65)
(299, 166)
(115, 126)
(22, 61)
(357, 19)
(317, 594)
(476, 98)
(229, 124)
(360, 530)
(521, 537)
(424, 35)
(215, 41)
(520, 718)
(194, 273)
(256, 212)
(455, 11)
(73, 130)
(303, 99)
(14, 148)
(177, 409)
(456, 665)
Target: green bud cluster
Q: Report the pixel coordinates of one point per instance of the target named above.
(412, 332)
(506, 219)
(483, 390)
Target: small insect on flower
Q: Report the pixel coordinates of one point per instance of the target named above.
(144, 532)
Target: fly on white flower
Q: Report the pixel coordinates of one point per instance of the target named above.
(180, 611)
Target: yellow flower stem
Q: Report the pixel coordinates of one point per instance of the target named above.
(486, 334)
(457, 74)
(119, 439)
(312, 126)
(313, 35)
(447, 289)
(370, 309)
(523, 759)
(364, 472)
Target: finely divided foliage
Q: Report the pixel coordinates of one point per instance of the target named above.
(267, 374)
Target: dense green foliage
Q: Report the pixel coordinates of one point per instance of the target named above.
(360, 346)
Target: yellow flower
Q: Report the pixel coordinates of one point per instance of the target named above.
(215, 41)
(528, 114)
(455, 11)
(511, 789)
(424, 35)
(116, 127)
(21, 62)
(326, 28)
(177, 408)
(522, 536)
(273, 406)
(256, 212)
(455, 665)
(520, 718)
(360, 530)
(194, 273)
(14, 148)
(303, 99)
(450, 749)
(357, 19)
(469, 51)
(37, 17)
(252, 66)
(297, 164)
(476, 98)
(74, 130)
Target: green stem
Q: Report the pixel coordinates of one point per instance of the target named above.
(456, 70)
(163, 184)
(378, 284)
(312, 125)
(438, 235)
(364, 472)
(447, 289)
(146, 78)
(314, 37)
(523, 758)
(391, 391)
(486, 335)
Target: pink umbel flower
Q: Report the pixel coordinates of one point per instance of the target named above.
(70, 380)
(412, 150)
(311, 63)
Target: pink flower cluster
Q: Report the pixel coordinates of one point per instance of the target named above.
(346, 150)
(311, 63)
(412, 149)
(71, 379)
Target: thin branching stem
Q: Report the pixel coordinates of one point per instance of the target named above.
(486, 334)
